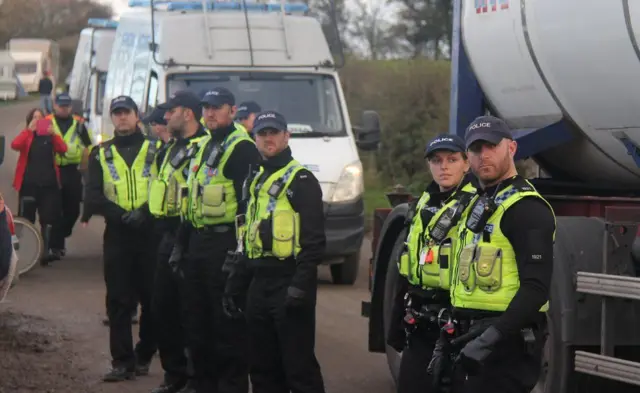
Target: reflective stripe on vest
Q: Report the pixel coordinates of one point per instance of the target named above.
(168, 192)
(124, 186)
(486, 273)
(75, 147)
(270, 216)
(428, 263)
(211, 197)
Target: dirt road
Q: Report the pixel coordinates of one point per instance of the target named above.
(52, 338)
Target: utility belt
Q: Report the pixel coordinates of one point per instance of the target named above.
(213, 229)
(272, 266)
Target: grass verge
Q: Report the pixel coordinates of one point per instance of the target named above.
(374, 197)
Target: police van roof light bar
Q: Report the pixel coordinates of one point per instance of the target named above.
(213, 5)
(102, 23)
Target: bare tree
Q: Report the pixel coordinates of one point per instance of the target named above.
(371, 26)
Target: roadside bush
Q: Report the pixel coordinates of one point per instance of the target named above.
(412, 98)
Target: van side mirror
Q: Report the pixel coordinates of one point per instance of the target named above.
(2, 138)
(368, 134)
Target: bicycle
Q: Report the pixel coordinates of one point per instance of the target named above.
(28, 242)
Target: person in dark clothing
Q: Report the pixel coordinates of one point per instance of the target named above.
(45, 88)
(120, 171)
(509, 228)
(420, 289)
(284, 241)
(37, 177)
(166, 201)
(75, 135)
(216, 343)
(6, 248)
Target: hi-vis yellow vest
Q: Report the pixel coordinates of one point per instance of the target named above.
(486, 276)
(273, 227)
(426, 262)
(75, 147)
(168, 191)
(211, 197)
(124, 186)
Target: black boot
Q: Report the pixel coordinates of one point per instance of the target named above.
(119, 374)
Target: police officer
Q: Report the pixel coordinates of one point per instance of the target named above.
(76, 136)
(246, 115)
(424, 266)
(504, 268)
(167, 198)
(217, 344)
(120, 171)
(284, 243)
(158, 125)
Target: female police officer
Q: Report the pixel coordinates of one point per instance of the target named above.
(424, 265)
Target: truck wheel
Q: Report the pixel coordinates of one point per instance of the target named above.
(390, 286)
(346, 272)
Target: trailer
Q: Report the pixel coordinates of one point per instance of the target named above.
(33, 58)
(558, 73)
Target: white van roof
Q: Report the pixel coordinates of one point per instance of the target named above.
(225, 36)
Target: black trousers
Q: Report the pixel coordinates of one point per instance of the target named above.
(168, 314)
(281, 339)
(413, 377)
(511, 368)
(71, 197)
(129, 267)
(43, 200)
(217, 344)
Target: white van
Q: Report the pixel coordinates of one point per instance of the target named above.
(89, 73)
(34, 57)
(281, 61)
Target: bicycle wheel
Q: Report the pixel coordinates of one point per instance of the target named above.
(30, 245)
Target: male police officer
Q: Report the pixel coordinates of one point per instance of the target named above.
(284, 243)
(76, 136)
(246, 115)
(158, 125)
(120, 171)
(217, 345)
(167, 198)
(504, 267)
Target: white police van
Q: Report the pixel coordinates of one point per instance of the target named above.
(269, 53)
(89, 72)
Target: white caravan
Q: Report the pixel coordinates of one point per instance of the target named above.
(8, 78)
(278, 59)
(33, 57)
(89, 74)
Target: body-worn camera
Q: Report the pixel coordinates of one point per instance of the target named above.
(481, 211)
(214, 157)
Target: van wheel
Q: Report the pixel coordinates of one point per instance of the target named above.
(346, 272)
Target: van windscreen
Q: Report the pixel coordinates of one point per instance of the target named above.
(309, 102)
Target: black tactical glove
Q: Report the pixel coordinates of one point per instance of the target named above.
(440, 365)
(295, 298)
(230, 308)
(135, 218)
(474, 354)
(175, 261)
(231, 262)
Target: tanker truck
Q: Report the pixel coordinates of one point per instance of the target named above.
(561, 73)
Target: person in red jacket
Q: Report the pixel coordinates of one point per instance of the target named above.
(37, 177)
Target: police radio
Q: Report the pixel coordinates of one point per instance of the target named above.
(481, 211)
(178, 159)
(214, 157)
(444, 224)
